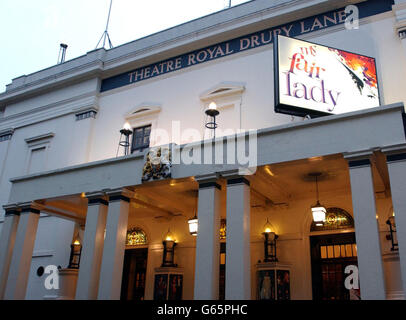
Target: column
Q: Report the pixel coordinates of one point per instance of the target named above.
(397, 175)
(114, 245)
(238, 251)
(370, 267)
(92, 250)
(207, 266)
(7, 240)
(22, 253)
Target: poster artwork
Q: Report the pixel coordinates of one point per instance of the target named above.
(322, 80)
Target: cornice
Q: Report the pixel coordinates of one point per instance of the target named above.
(50, 111)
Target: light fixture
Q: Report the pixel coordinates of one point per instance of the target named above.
(212, 112)
(125, 138)
(269, 243)
(169, 250)
(318, 211)
(193, 222)
(223, 229)
(193, 225)
(392, 229)
(75, 253)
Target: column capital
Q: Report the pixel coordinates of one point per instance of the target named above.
(235, 177)
(395, 152)
(29, 206)
(208, 180)
(97, 197)
(11, 210)
(359, 158)
(119, 194)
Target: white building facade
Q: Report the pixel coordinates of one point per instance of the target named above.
(64, 178)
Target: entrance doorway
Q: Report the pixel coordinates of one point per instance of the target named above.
(330, 255)
(134, 273)
(222, 276)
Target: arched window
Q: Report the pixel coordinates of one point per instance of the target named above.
(136, 236)
(336, 218)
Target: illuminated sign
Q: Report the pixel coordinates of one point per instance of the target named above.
(315, 80)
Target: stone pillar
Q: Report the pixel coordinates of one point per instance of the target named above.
(370, 266)
(92, 250)
(396, 161)
(68, 280)
(207, 266)
(114, 245)
(238, 251)
(7, 240)
(22, 253)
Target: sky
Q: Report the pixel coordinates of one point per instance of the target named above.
(31, 30)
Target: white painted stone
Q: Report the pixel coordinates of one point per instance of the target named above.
(92, 251)
(113, 251)
(21, 257)
(371, 273)
(238, 251)
(7, 240)
(207, 245)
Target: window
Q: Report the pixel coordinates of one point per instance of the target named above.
(136, 236)
(141, 137)
(336, 218)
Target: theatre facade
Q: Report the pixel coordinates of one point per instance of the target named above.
(208, 161)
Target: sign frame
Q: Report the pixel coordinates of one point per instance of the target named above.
(299, 111)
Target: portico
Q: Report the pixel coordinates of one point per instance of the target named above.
(108, 197)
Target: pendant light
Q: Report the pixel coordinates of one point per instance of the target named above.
(318, 211)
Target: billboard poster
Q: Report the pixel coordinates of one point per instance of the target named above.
(316, 80)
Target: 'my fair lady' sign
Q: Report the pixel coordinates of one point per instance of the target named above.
(317, 80)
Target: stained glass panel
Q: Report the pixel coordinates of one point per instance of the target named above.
(136, 236)
(336, 218)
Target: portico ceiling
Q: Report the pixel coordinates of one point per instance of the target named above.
(272, 187)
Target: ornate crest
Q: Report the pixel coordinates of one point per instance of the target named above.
(157, 165)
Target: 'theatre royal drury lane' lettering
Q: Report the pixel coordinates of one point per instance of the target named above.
(257, 39)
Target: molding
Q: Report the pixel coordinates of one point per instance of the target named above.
(236, 174)
(223, 89)
(50, 111)
(138, 112)
(359, 158)
(43, 253)
(119, 194)
(6, 132)
(211, 177)
(81, 110)
(394, 149)
(41, 137)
